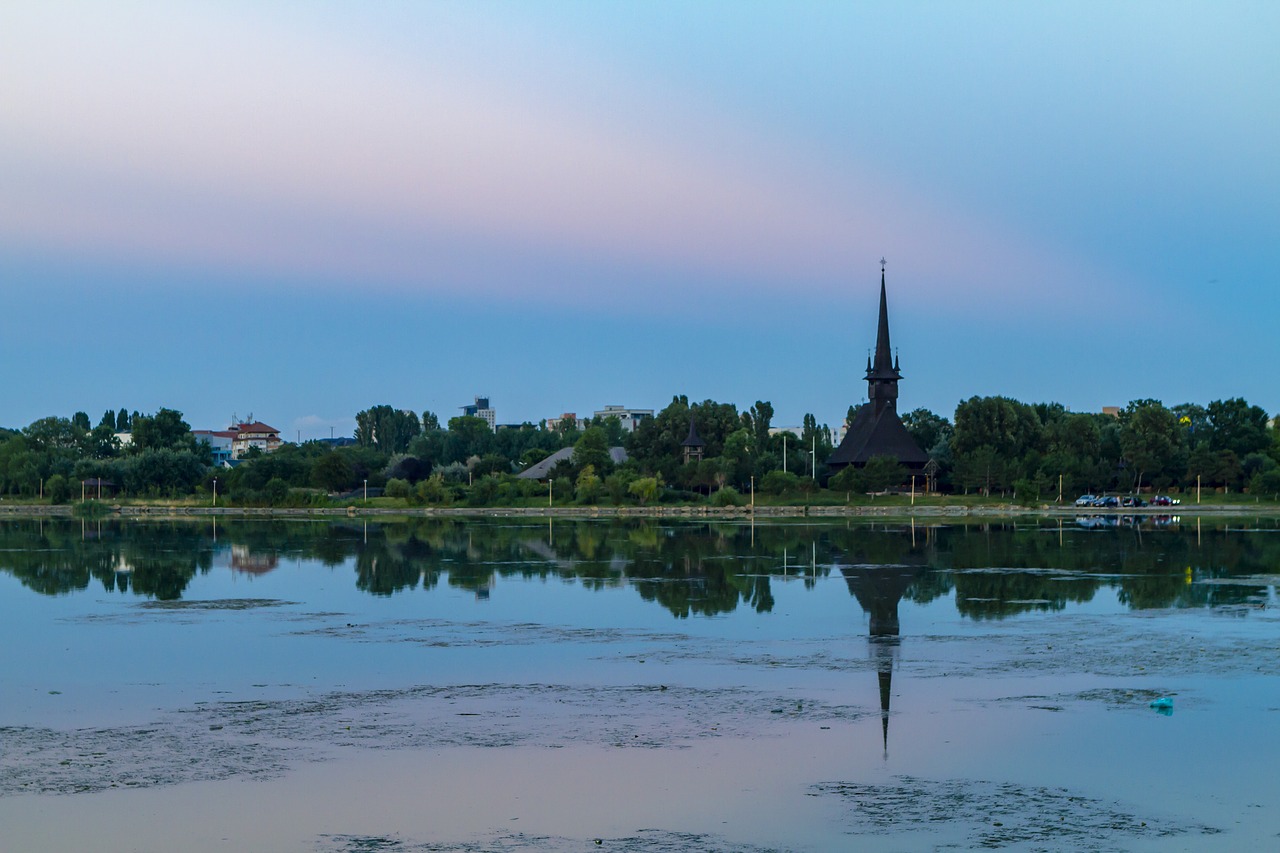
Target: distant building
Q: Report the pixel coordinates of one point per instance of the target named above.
(629, 418)
(542, 470)
(251, 435)
(481, 409)
(220, 443)
(876, 429)
(1113, 411)
(693, 446)
(125, 438)
(555, 423)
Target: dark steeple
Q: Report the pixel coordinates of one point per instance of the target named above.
(876, 430)
(693, 445)
(882, 373)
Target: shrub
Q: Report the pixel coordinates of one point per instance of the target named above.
(727, 496)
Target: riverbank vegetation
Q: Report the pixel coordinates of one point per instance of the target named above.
(994, 449)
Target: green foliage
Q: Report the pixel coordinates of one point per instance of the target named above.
(727, 496)
(927, 428)
(397, 488)
(467, 436)
(275, 492)
(1237, 426)
(57, 489)
(433, 490)
(882, 473)
(1026, 492)
(386, 429)
(645, 489)
(164, 430)
(592, 450)
(333, 472)
(781, 483)
(589, 486)
(1149, 438)
(618, 485)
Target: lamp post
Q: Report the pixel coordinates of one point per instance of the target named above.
(215, 491)
(366, 492)
(753, 493)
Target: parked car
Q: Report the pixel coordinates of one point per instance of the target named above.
(1107, 501)
(1085, 500)
(1132, 500)
(1164, 500)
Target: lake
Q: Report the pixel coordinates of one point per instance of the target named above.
(526, 684)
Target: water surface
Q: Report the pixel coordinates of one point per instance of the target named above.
(454, 684)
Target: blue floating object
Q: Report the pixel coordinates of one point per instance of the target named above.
(1164, 704)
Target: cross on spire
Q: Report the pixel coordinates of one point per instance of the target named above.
(882, 263)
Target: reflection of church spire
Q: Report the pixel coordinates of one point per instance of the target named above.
(879, 589)
(884, 671)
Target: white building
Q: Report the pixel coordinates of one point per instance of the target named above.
(629, 418)
(481, 409)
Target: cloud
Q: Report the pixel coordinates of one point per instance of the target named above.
(231, 140)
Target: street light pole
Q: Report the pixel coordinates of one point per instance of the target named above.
(215, 491)
(366, 492)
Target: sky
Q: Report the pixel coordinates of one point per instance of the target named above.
(298, 210)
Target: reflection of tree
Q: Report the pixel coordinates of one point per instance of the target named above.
(688, 567)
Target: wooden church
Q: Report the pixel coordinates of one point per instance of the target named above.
(876, 429)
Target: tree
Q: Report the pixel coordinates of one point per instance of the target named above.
(108, 420)
(430, 421)
(645, 489)
(592, 450)
(124, 423)
(164, 429)
(927, 428)
(760, 418)
(1238, 427)
(81, 421)
(589, 486)
(467, 436)
(1149, 439)
(333, 473)
(387, 429)
(882, 473)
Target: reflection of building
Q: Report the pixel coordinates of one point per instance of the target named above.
(879, 589)
(876, 429)
(252, 563)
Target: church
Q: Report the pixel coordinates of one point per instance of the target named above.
(876, 429)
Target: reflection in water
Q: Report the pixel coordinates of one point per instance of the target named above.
(879, 588)
(993, 570)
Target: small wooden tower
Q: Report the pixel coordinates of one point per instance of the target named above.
(693, 445)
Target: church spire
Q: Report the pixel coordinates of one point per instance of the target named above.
(882, 373)
(884, 353)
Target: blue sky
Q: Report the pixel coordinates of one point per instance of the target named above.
(303, 209)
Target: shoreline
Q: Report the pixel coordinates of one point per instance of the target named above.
(709, 512)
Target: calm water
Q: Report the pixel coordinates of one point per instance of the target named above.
(529, 685)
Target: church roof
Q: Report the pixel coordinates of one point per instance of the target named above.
(693, 440)
(877, 434)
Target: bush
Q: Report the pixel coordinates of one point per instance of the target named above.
(779, 483)
(275, 492)
(397, 488)
(57, 489)
(727, 496)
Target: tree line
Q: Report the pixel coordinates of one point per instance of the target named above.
(993, 445)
